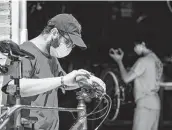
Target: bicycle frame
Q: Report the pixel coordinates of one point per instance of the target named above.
(81, 110)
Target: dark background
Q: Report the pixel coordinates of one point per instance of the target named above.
(105, 26)
(101, 32)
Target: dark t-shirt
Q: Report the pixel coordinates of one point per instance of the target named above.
(43, 66)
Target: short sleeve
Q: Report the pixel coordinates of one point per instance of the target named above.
(139, 67)
(29, 68)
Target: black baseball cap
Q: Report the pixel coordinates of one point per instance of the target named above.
(68, 24)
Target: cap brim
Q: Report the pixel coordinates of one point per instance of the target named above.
(78, 41)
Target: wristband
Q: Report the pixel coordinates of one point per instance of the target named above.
(62, 82)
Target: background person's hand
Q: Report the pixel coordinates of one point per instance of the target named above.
(70, 78)
(116, 54)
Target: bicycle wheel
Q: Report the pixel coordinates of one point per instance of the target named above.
(111, 79)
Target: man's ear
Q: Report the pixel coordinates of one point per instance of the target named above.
(55, 33)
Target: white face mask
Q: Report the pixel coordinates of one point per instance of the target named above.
(61, 51)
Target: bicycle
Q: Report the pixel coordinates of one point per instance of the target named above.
(80, 124)
(88, 90)
(119, 92)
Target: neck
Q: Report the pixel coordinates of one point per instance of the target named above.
(41, 43)
(147, 52)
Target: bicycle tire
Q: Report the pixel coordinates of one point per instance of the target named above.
(113, 91)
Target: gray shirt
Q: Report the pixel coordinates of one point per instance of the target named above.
(148, 70)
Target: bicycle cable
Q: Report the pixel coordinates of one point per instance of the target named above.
(97, 118)
(91, 111)
(110, 104)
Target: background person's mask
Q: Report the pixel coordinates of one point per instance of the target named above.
(61, 51)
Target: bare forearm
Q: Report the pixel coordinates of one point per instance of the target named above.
(122, 70)
(31, 87)
(165, 84)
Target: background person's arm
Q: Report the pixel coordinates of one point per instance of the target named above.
(165, 84)
(126, 76)
(137, 70)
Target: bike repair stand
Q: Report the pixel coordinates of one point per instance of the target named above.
(16, 77)
(81, 105)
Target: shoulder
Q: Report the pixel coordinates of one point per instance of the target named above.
(25, 44)
(30, 47)
(140, 63)
(147, 59)
(141, 60)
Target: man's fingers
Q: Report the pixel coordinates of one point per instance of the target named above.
(111, 51)
(84, 71)
(115, 51)
(81, 77)
(120, 50)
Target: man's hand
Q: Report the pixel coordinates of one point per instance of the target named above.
(70, 78)
(116, 54)
(92, 81)
(100, 84)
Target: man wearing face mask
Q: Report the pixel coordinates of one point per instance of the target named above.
(146, 74)
(62, 33)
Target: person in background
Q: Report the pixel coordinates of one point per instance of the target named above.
(146, 74)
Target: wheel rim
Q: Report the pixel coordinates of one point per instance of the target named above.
(113, 91)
